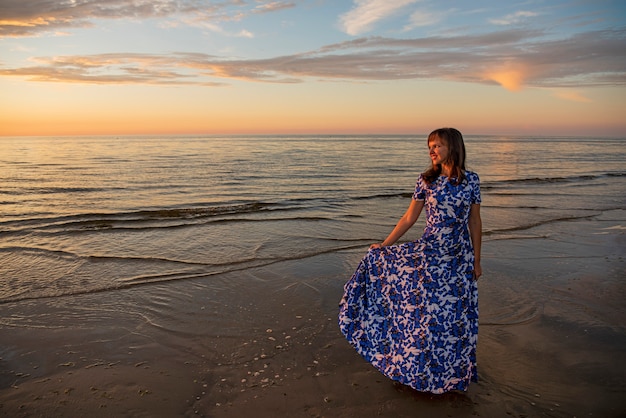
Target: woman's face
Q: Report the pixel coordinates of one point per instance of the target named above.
(438, 150)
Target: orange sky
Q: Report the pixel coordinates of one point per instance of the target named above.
(315, 107)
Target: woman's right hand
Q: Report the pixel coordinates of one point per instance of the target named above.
(376, 246)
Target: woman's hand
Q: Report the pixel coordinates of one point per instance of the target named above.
(376, 246)
(478, 271)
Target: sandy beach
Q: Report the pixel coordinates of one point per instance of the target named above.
(551, 341)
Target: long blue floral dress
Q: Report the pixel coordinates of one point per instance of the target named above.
(411, 310)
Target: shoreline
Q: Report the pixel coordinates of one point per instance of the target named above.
(266, 342)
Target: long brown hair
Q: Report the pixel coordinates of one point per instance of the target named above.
(456, 155)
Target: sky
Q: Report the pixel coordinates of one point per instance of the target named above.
(164, 67)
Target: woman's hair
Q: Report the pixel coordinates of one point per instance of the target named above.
(456, 155)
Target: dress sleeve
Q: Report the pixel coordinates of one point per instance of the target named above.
(420, 189)
(474, 181)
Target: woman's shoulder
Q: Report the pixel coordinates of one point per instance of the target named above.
(471, 175)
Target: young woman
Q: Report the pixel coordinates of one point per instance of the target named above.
(411, 310)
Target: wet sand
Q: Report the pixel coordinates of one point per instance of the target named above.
(253, 343)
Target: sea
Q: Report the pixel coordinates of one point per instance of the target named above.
(205, 270)
(82, 215)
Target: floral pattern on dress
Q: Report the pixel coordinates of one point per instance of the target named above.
(411, 310)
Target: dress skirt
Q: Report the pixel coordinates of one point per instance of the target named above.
(411, 310)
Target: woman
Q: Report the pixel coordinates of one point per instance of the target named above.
(412, 309)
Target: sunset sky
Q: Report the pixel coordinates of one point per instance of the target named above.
(113, 67)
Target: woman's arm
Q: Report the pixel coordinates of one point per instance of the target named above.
(404, 224)
(476, 234)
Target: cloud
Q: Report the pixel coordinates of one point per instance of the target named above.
(421, 18)
(571, 95)
(273, 6)
(22, 18)
(513, 18)
(511, 78)
(115, 69)
(368, 12)
(245, 34)
(513, 59)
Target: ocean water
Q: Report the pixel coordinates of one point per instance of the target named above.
(82, 215)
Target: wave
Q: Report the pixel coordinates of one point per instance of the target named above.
(183, 271)
(505, 233)
(496, 184)
(165, 217)
(198, 213)
(484, 184)
(384, 196)
(203, 212)
(57, 190)
(94, 258)
(550, 180)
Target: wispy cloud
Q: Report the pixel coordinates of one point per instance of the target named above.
(421, 18)
(513, 59)
(22, 18)
(367, 13)
(273, 6)
(513, 18)
(172, 69)
(572, 95)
